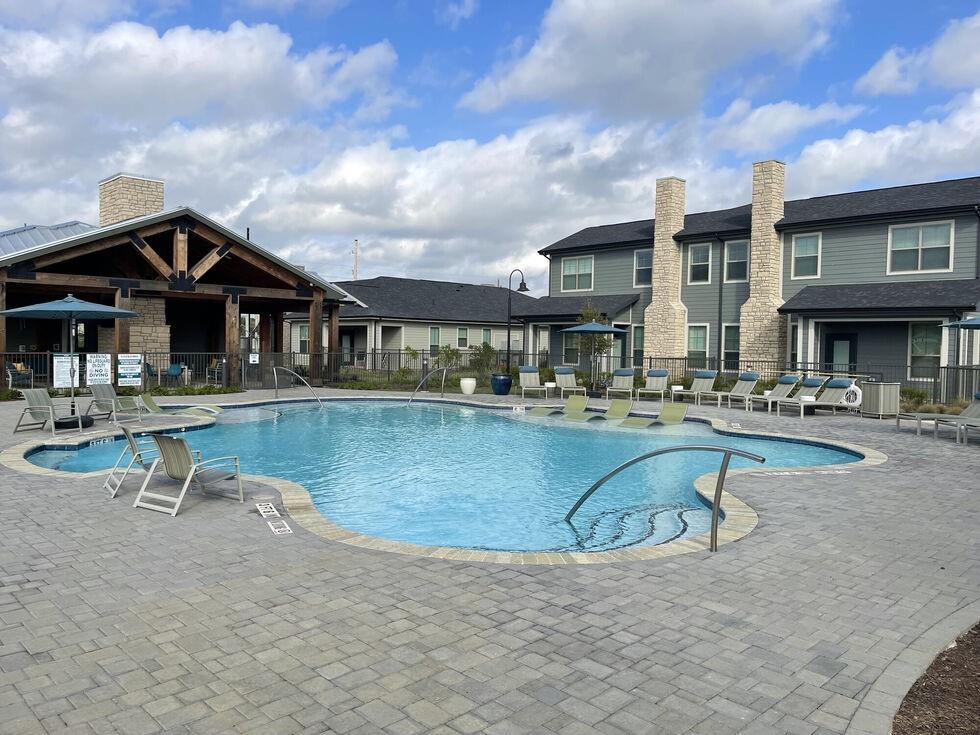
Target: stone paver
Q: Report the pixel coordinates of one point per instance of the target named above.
(114, 620)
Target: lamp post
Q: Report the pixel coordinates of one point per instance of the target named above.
(522, 288)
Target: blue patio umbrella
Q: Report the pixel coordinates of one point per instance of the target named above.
(71, 310)
(972, 323)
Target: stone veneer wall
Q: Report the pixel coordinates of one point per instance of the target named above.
(148, 332)
(762, 336)
(123, 197)
(665, 319)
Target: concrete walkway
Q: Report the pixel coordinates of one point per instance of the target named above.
(119, 620)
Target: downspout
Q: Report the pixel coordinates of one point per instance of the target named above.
(721, 294)
(976, 254)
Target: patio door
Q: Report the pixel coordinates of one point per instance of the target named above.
(840, 351)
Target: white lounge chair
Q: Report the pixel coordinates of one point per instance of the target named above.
(703, 381)
(830, 400)
(42, 408)
(531, 380)
(565, 381)
(105, 402)
(784, 386)
(656, 383)
(622, 382)
(740, 391)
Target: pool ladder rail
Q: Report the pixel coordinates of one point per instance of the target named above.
(275, 378)
(719, 484)
(442, 389)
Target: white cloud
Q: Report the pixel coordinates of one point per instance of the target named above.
(952, 61)
(745, 129)
(644, 58)
(61, 13)
(456, 12)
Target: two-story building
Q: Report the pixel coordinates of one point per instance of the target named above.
(856, 282)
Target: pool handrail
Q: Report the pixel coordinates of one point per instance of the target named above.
(275, 378)
(719, 484)
(442, 390)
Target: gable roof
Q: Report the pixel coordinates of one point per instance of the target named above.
(74, 236)
(29, 236)
(569, 307)
(419, 299)
(960, 294)
(937, 197)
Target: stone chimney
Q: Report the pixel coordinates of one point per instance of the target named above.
(665, 319)
(124, 196)
(763, 332)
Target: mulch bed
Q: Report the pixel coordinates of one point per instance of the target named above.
(946, 699)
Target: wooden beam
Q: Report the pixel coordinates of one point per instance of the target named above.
(121, 337)
(232, 340)
(156, 229)
(77, 252)
(3, 305)
(151, 257)
(180, 251)
(333, 345)
(278, 338)
(262, 263)
(265, 333)
(208, 261)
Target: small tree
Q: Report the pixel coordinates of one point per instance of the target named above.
(593, 345)
(483, 360)
(449, 356)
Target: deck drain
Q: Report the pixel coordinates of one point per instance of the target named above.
(279, 527)
(267, 510)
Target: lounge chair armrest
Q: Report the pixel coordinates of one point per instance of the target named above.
(219, 460)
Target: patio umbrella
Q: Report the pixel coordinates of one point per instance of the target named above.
(972, 323)
(594, 328)
(71, 310)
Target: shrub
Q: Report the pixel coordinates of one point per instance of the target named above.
(194, 390)
(913, 396)
(6, 394)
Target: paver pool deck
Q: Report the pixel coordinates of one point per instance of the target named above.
(114, 619)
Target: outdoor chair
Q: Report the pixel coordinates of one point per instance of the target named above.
(574, 404)
(740, 391)
(703, 381)
(106, 403)
(151, 373)
(565, 381)
(963, 421)
(531, 380)
(784, 386)
(174, 373)
(19, 375)
(622, 382)
(830, 400)
(656, 383)
(670, 415)
(180, 465)
(619, 408)
(140, 453)
(42, 408)
(215, 372)
(204, 409)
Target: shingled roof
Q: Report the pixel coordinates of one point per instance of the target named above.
(961, 294)
(569, 307)
(939, 196)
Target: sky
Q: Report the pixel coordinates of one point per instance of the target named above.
(456, 138)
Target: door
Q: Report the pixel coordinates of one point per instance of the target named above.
(619, 347)
(347, 347)
(840, 352)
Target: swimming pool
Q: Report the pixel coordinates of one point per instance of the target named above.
(456, 476)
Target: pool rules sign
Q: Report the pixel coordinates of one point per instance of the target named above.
(130, 369)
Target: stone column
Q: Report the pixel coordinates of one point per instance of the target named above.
(665, 319)
(762, 336)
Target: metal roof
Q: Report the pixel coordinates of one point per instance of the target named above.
(30, 236)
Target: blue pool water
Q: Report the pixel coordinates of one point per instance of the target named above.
(458, 476)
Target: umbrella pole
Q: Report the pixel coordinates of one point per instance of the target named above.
(71, 362)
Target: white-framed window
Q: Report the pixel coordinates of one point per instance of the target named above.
(736, 261)
(807, 255)
(462, 337)
(576, 273)
(697, 345)
(642, 268)
(730, 351)
(304, 338)
(921, 248)
(925, 350)
(487, 336)
(699, 264)
(435, 340)
(569, 349)
(638, 346)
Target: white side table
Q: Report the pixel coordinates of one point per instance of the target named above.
(549, 387)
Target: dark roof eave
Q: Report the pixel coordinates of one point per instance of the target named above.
(878, 310)
(882, 216)
(551, 249)
(712, 235)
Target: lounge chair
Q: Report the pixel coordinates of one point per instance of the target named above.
(531, 380)
(740, 391)
(670, 414)
(574, 404)
(961, 421)
(141, 454)
(784, 386)
(204, 409)
(19, 375)
(619, 408)
(656, 383)
(830, 400)
(702, 383)
(622, 382)
(42, 408)
(106, 403)
(565, 381)
(180, 465)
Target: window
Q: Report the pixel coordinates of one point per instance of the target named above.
(925, 347)
(737, 261)
(806, 256)
(304, 338)
(488, 336)
(569, 349)
(642, 268)
(434, 340)
(462, 337)
(697, 345)
(576, 273)
(699, 264)
(637, 346)
(920, 248)
(729, 347)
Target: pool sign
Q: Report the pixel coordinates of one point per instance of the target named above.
(130, 369)
(98, 369)
(65, 371)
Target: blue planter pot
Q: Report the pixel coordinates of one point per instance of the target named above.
(500, 383)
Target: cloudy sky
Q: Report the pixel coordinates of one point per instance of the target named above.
(455, 138)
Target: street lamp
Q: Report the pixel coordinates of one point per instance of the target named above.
(520, 289)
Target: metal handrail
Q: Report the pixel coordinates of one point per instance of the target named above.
(275, 378)
(442, 389)
(715, 505)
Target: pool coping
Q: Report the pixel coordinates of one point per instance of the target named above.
(740, 519)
